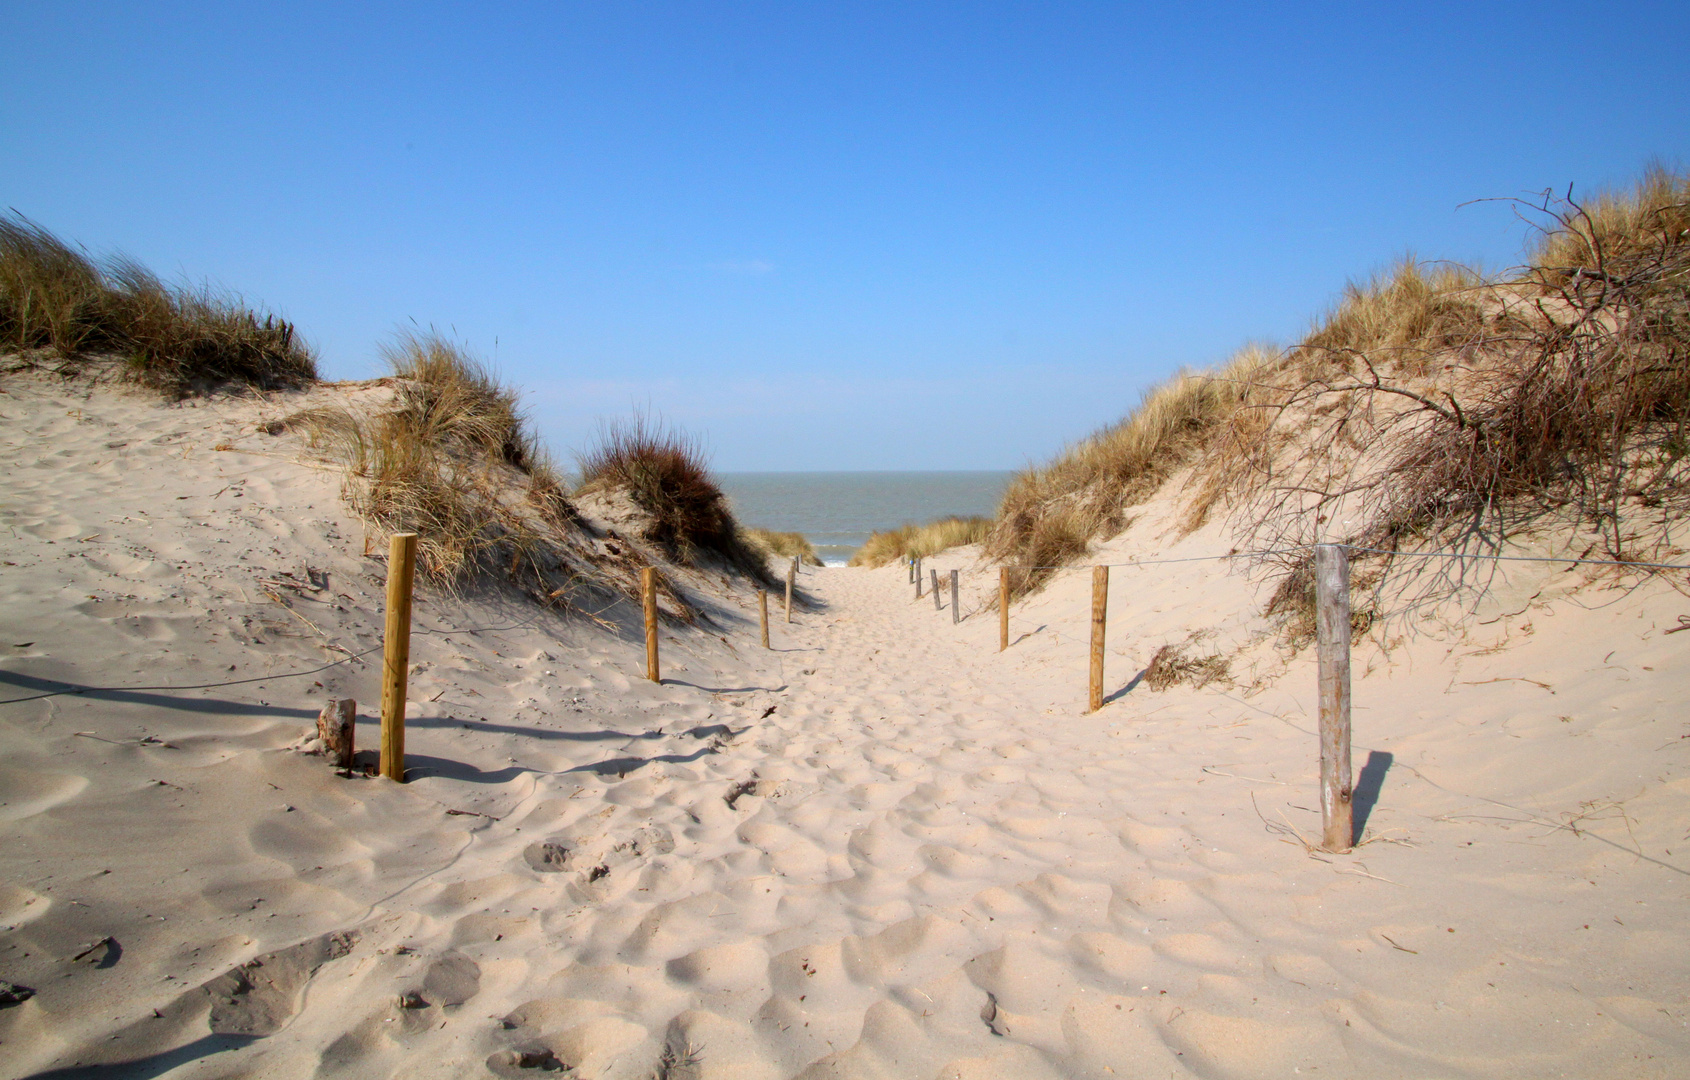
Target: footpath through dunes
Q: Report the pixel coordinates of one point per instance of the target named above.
(883, 849)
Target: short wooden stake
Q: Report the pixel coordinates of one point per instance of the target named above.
(396, 655)
(955, 618)
(1003, 608)
(1332, 628)
(335, 726)
(648, 595)
(1099, 616)
(763, 615)
(935, 574)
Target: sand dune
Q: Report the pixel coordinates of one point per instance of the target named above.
(883, 849)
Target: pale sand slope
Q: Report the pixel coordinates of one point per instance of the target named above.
(932, 864)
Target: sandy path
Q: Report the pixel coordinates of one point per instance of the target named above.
(883, 850)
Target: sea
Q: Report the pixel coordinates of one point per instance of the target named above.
(836, 511)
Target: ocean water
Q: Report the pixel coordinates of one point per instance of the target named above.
(836, 511)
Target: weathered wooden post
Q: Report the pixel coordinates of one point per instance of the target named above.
(936, 600)
(789, 593)
(763, 614)
(1099, 616)
(396, 653)
(1003, 608)
(1332, 628)
(336, 725)
(648, 597)
(909, 565)
(955, 618)
(918, 577)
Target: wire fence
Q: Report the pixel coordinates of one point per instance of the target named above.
(1452, 555)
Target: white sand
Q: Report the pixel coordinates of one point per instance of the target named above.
(933, 864)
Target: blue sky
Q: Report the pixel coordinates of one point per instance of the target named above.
(821, 236)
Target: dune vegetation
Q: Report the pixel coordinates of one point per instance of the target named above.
(664, 472)
(446, 452)
(61, 308)
(1430, 405)
(782, 545)
(920, 541)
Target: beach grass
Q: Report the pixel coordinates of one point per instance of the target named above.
(664, 471)
(450, 457)
(920, 541)
(784, 545)
(1430, 403)
(59, 300)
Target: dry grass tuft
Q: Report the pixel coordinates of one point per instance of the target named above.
(1571, 405)
(1401, 316)
(58, 299)
(1050, 515)
(920, 541)
(664, 472)
(450, 459)
(1429, 406)
(1173, 665)
(784, 545)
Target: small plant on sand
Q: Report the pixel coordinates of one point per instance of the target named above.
(57, 299)
(1174, 664)
(664, 472)
(920, 541)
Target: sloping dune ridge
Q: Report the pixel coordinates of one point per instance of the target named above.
(882, 849)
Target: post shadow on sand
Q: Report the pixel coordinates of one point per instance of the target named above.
(1127, 689)
(418, 766)
(153, 1064)
(1365, 796)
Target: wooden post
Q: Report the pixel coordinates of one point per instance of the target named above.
(1003, 608)
(1332, 628)
(935, 574)
(955, 618)
(918, 577)
(763, 614)
(909, 565)
(789, 593)
(396, 655)
(648, 594)
(335, 726)
(1099, 615)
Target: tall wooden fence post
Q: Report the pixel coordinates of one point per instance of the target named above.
(396, 652)
(1099, 617)
(763, 614)
(789, 592)
(936, 601)
(1332, 626)
(648, 598)
(955, 618)
(1003, 608)
(909, 565)
(918, 577)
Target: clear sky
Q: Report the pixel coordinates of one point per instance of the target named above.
(821, 235)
